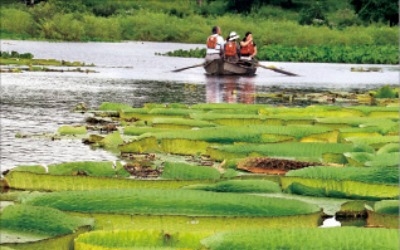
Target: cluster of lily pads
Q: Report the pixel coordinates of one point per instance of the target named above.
(214, 176)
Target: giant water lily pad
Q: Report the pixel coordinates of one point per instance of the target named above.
(32, 223)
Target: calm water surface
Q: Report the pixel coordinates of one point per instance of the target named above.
(131, 72)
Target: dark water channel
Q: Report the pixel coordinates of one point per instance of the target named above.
(130, 72)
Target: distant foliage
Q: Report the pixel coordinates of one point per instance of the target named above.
(377, 10)
(17, 21)
(360, 54)
(15, 54)
(313, 15)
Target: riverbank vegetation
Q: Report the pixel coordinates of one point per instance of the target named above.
(14, 62)
(308, 31)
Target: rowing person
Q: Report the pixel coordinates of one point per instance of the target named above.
(215, 45)
(248, 49)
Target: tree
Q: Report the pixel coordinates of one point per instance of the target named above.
(313, 15)
(243, 6)
(377, 10)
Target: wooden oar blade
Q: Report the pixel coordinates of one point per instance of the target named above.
(285, 72)
(189, 67)
(277, 70)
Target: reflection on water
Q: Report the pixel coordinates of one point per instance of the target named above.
(230, 89)
(34, 104)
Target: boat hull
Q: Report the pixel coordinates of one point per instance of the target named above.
(221, 67)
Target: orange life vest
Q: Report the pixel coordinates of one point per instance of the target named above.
(230, 49)
(247, 50)
(212, 42)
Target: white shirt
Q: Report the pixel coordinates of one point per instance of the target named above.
(219, 47)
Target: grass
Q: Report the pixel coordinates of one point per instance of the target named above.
(171, 202)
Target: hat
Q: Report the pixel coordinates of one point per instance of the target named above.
(233, 36)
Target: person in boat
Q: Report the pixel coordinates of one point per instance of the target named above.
(248, 48)
(215, 45)
(232, 48)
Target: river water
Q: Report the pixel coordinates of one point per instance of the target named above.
(132, 72)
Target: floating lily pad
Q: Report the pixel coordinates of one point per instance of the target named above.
(72, 130)
(40, 221)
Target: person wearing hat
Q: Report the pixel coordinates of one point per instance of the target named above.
(215, 45)
(232, 48)
(248, 49)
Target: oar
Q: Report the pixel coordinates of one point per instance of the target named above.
(277, 70)
(189, 67)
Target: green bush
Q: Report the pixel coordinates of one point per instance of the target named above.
(64, 27)
(16, 21)
(386, 92)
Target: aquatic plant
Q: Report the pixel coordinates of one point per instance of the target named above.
(33, 168)
(183, 223)
(382, 175)
(180, 123)
(376, 141)
(184, 146)
(139, 239)
(72, 130)
(112, 140)
(340, 238)
(87, 168)
(46, 182)
(141, 145)
(112, 106)
(41, 220)
(347, 182)
(136, 131)
(240, 186)
(183, 171)
(171, 202)
(301, 151)
(387, 207)
(385, 213)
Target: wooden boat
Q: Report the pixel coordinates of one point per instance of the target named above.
(223, 67)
